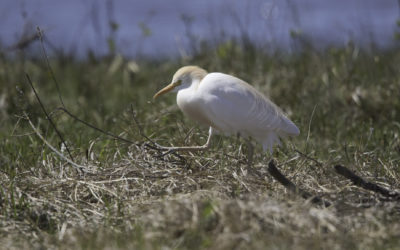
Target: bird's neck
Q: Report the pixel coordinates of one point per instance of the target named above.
(195, 84)
(191, 89)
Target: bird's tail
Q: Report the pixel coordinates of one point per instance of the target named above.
(288, 128)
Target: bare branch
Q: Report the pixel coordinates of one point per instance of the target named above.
(48, 117)
(292, 187)
(360, 182)
(309, 158)
(141, 130)
(96, 128)
(154, 145)
(77, 166)
(40, 35)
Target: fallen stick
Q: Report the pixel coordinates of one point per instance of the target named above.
(360, 182)
(292, 187)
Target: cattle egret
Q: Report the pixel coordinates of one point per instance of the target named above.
(227, 105)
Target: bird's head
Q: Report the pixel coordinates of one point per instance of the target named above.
(183, 78)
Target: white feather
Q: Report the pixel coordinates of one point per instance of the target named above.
(232, 106)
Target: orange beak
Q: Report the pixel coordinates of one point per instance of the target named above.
(167, 89)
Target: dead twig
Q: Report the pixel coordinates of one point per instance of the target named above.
(77, 166)
(96, 128)
(292, 187)
(40, 35)
(48, 117)
(153, 145)
(360, 182)
(24, 42)
(309, 157)
(140, 130)
(63, 108)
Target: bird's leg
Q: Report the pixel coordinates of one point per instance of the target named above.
(237, 142)
(189, 148)
(250, 152)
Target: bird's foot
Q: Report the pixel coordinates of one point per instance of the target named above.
(163, 150)
(167, 152)
(156, 146)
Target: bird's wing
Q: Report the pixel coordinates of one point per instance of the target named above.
(235, 106)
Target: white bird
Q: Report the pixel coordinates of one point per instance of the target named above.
(228, 105)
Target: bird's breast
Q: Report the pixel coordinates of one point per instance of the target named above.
(193, 107)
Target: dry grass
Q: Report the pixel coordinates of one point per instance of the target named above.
(133, 198)
(142, 201)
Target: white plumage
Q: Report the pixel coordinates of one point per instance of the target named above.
(229, 106)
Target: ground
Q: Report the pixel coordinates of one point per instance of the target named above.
(345, 102)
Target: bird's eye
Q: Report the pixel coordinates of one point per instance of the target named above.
(179, 82)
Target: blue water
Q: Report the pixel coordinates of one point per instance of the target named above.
(158, 27)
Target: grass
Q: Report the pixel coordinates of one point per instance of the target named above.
(344, 100)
